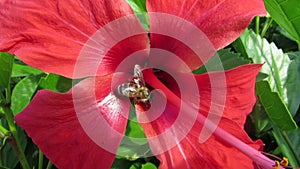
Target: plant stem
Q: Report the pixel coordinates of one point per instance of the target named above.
(49, 165)
(41, 158)
(3, 131)
(266, 27)
(1, 96)
(15, 141)
(257, 19)
(8, 94)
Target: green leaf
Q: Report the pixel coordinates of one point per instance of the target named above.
(121, 163)
(261, 76)
(129, 153)
(134, 129)
(284, 33)
(224, 59)
(137, 165)
(260, 120)
(139, 8)
(293, 81)
(56, 83)
(287, 146)
(274, 107)
(132, 146)
(295, 56)
(23, 92)
(294, 138)
(281, 70)
(149, 166)
(293, 90)
(287, 14)
(20, 70)
(240, 48)
(6, 64)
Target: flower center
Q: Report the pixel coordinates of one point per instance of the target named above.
(136, 88)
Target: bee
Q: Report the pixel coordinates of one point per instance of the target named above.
(136, 89)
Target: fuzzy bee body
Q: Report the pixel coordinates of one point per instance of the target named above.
(126, 89)
(136, 88)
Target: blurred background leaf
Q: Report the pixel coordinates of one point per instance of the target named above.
(287, 14)
(6, 64)
(9, 157)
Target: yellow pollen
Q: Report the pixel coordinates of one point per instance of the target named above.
(284, 161)
(277, 165)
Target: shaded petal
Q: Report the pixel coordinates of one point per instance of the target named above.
(214, 152)
(237, 84)
(240, 92)
(53, 122)
(50, 35)
(222, 21)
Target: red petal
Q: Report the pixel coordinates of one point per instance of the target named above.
(224, 23)
(50, 35)
(240, 92)
(66, 126)
(188, 152)
(221, 21)
(214, 152)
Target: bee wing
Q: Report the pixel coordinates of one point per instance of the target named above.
(128, 91)
(137, 73)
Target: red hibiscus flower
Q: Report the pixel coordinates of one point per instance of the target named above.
(68, 38)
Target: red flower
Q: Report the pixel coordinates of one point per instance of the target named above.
(61, 37)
